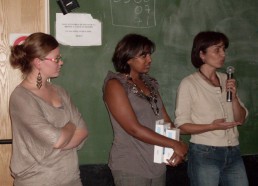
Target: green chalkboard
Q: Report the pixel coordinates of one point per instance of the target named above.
(172, 26)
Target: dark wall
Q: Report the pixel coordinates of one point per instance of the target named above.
(172, 26)
(100, 175)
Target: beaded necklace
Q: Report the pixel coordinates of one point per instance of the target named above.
(207, 79)
(152, 98)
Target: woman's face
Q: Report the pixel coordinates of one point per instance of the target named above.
(140, 63)
(214, 55)
(51, 64)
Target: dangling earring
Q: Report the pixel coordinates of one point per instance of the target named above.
(39, 81)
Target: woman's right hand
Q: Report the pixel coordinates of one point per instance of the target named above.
(67, 133)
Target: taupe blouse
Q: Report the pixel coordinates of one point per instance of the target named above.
(36, 126)
(128, 153)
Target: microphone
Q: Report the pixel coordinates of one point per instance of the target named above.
(230, 71)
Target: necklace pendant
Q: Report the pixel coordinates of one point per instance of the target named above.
(135, 90)
(151, 98)
(157, 111)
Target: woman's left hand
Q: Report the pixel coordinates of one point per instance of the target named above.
(180, 152)
(231, 86)
(175, 160)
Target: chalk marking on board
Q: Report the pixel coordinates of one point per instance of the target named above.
(143, 10)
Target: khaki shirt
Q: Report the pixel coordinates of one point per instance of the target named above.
(201, 103)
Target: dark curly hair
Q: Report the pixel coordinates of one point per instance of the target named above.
(129, 47)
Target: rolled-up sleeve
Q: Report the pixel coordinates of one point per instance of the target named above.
(33, 135)
(183, 104)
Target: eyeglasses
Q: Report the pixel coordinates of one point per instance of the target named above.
(56, 60)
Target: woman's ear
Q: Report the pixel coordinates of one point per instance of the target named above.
(37, 62)
(202, 56)
(129, 61)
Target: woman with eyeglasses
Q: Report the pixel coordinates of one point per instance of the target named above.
(202, 110)
(47, 127)
(134, 105)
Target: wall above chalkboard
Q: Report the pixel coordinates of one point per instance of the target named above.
(172, 26)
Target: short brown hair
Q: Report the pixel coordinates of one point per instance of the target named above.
(202, 41)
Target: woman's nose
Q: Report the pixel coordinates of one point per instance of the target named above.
(148, 57)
